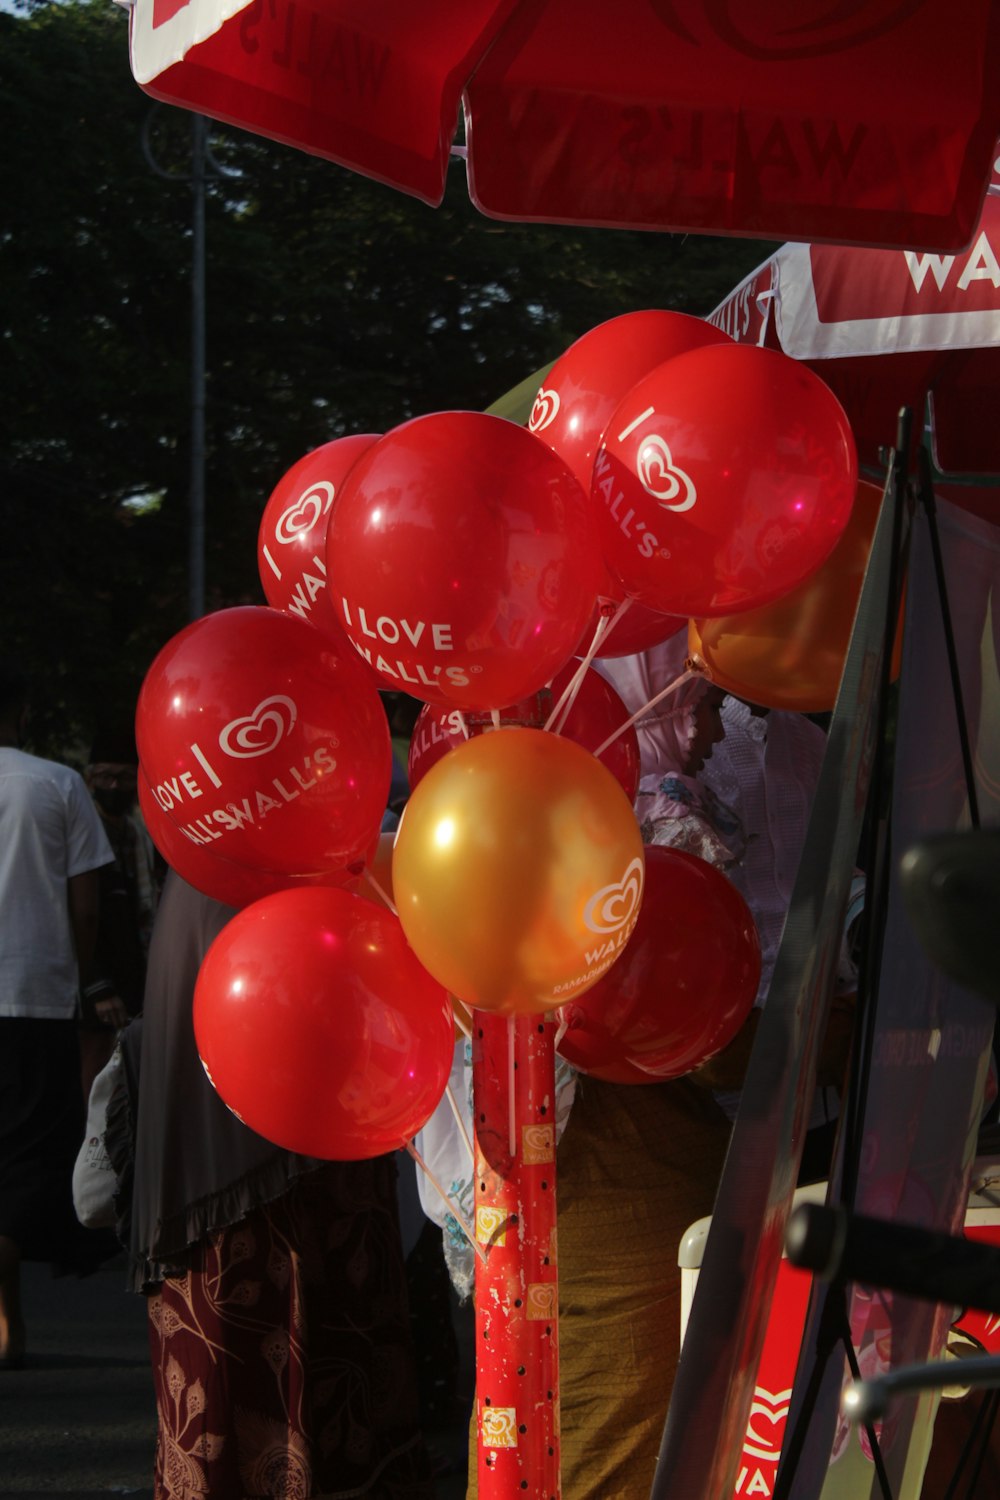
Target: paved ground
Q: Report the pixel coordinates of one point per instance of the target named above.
(79, 1419)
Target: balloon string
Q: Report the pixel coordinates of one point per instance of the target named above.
(569, 692)
(567, 697)
(460, 1120)
(462, 1018)
(511, 1121)
(373, 882)
(695, 668)
(462, 724)
(449, 1202)
(606, 623)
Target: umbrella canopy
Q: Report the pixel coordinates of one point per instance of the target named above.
(892, 328)
(866, 123)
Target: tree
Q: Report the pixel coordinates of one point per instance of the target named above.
(334, 305)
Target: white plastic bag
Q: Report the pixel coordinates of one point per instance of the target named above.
(94, 1179)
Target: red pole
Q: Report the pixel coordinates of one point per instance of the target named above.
(517, 1346)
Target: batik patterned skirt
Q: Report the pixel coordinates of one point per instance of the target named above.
(282, 1358)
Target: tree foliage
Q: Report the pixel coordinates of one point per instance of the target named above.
(334, 305)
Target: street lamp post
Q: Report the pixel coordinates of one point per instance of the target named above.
(196, 519)
(203, 164)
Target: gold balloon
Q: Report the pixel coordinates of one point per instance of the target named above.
(790, 654)
(518, 871)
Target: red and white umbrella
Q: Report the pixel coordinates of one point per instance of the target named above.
(866, 123)
(892, 328)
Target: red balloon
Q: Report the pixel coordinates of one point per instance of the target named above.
(463, 561)
(291, 538)
(318, 1026)
(233, 885)
(265, 744)
(596, 713)
(634, 629)
(725, 478)
(592, 1052)
(684, 984)
(374, 882)
(585, 385)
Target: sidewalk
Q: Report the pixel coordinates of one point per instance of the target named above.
(79, 1420)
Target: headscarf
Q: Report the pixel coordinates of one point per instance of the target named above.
(639, 679)
(665, 734)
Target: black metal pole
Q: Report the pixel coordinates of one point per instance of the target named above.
(203, 166)
(196, 555)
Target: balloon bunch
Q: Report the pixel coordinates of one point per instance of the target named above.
(721, 475)
(265, 762)
(665, 473)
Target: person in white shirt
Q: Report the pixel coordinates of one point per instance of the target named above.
(51, 848)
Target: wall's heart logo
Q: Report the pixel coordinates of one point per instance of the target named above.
(491, 1225)
(769, 1408)
(538, 1144)
(258, 732)
(303, 514)
(541, 1302)
(613, 906)
(660, 476)
(544, 411)
(498, 1426)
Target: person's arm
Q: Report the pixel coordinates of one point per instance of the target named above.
(84, 895)
(84, 898)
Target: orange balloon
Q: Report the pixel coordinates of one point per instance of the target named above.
(790, 654)
(518, 870)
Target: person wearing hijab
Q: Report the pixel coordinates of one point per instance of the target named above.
(753, 800)
(278, 1321)
(675, 807)
(677, 734)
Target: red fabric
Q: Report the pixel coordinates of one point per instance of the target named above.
(375, 88)
(892, 328)
(727, 119)
(910, 285)
(924, 292)
(867, 124)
